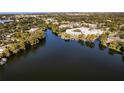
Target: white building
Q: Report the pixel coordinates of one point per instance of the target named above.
(33, 29)
(84, 30)
(72, 32)
(2, 49)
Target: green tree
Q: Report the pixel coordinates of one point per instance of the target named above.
(115, 46)
(6, 53)
(103, 39)
(21, 45)
(13, 48)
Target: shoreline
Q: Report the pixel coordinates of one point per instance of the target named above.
(8, 52)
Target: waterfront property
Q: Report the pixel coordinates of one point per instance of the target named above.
(82, 33)
(18, 41)
(56, 59)
(84, 30)
(76, 47)
(75, 31)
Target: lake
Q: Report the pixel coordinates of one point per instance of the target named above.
(57, 59)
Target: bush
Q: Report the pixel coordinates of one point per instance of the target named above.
(115, 46)
(103, 39)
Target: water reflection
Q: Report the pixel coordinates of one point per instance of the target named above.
(82, 43)
(56, 59)
(22, 54)
(42, 44)
(29, 50)
(102, 47)
(123, 58)
(90, 44)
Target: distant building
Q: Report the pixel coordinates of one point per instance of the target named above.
(33, 29)
(84, 30)
(5, 21)
(72, 32)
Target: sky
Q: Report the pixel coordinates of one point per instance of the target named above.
(61, 5)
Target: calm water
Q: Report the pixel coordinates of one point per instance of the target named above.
(56, 59)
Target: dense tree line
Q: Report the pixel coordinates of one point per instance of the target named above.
(22, 39)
